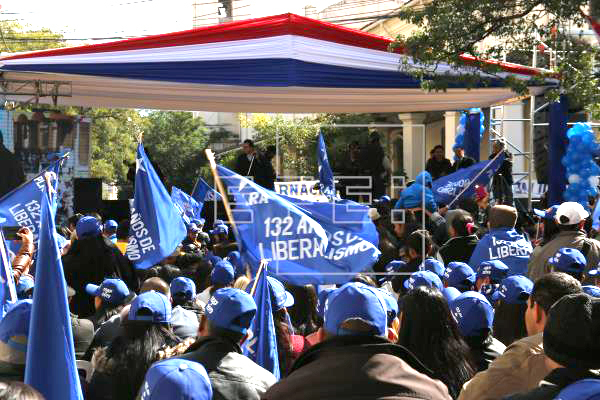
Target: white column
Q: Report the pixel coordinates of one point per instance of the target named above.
(413, 133)
(514, 132)
(451, 118)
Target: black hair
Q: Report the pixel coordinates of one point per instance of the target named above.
(73, 219)
(462, 224)
(551, 228)
(416, 240)
(437, 146)
(550, 288)
(509, 322)
(567, 228)
(249, 142)
(284, 341)
(430, 332)
(105, 312)
(123, 230)
(227, 334)
(365, 279)
(304, 311)
(469, 204)
(18, 390)
(181, 299)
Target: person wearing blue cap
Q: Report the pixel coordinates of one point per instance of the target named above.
(417, 243)
(570, 261)
(450, 293)
(109, 299)
(489, 275)
(423, 278)
(176, 379)
(475, 317)
(522, 366)
(355, 359)
(25, 287)
(433, 265)
(590, 290)
(391, 268)
(223, 329)
(235, 258)
(192, 235)
(110, 230)
(14, 330)
(222, 246)
(462, 240)
(460, 276)
(119, 369)
(222, 275)
(430, 332)
(593, 276)
(393, 323)
(510, 305)
(185, 312)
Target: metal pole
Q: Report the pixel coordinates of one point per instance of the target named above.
(423, 205)
(531, 158)
(277, 152)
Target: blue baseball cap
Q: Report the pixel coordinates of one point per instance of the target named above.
(280, 297)
(514, 290)
(223, 273)
(26, 282)
(198, 221)
(461, 272)
(218, 222)
(176, 379)
(473, 313)
(111, 291)
(111, 225)
(391, 305)
(594, 272)
(568, 260)
(220, 230)
(585, 389)
(495, 269)
(433, 265)
(153, 302)
(423, 278)
(87, 227)
(183, 285)
(213, 258)
(231, 309)
(235, 258)
(193, 228)
(593, 291)
(16, 323)
(451, 266)
(395, 266)
(450, 293)
(549, 213)
(355, 300)
(322, 300)
(385, 199)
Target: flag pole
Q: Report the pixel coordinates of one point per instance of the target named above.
(262, 266)
(213, 167)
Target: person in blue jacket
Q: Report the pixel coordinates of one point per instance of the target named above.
(412, 196)
(503, 242)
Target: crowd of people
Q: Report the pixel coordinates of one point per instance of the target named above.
(481, 302)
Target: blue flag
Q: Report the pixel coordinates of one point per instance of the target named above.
(22, 205)
(307, 243)
(446, 188)
(262, 346)
(203, 192)
(326, 182)
(187, 206)
(156, 225)
(50, 367)
(8, 292)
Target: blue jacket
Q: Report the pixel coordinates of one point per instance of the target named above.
(411, 197)
(503, 244)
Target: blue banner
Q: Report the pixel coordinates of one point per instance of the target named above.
(473, 131)
(203, 192)
(326, 182)
(262, 346)
(187, 206)
(50, 367)
(156, 225)
(306, 242)
(446, 188)
(557, 148)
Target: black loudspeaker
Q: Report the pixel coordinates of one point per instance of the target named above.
(87, 195)
(115, 209)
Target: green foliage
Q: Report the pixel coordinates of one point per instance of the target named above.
(17, 38)
(494, 29)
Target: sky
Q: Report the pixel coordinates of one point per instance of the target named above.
(109, 18)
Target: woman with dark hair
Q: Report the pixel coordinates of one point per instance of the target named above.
(438, 165)
(510, 306)
(109, 299)
(462, 241)
(418, 243)
(91, 259)
(304, 311)
(119, 369)
(428, 330)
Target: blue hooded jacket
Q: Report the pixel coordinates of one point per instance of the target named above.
(411, 197)
(506, 245)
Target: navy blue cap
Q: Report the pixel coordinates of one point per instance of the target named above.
(585, 389)
(111, 225)
(450, 293)
(111, 291)
(223, 273)
(395, 266)
(433, 265)
(88, 226)
(461, 272)
(593, 291)
(451, 266)
(568, 260)
(176, 379)
(423, 278)
(16, 323)
(231, 309)
(473, 313)
(183, 285)
(280, 297)
(385, 199)
(220, 230)
(549, 213)
(235, 258)
(391, 305)
(514, 290)
(26, 282)
(355, 300)
(496, 270)
(158, 305)
(322, 300)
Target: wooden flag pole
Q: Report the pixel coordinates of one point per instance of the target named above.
(221, 188)
(261, 268)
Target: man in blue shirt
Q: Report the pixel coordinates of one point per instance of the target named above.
(503, 242)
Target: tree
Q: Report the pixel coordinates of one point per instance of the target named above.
(175, 141)
(14, 38)
(494, 29)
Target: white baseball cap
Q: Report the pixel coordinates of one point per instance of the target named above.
(570, 213)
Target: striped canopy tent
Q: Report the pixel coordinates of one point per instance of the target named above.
(283, 63)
